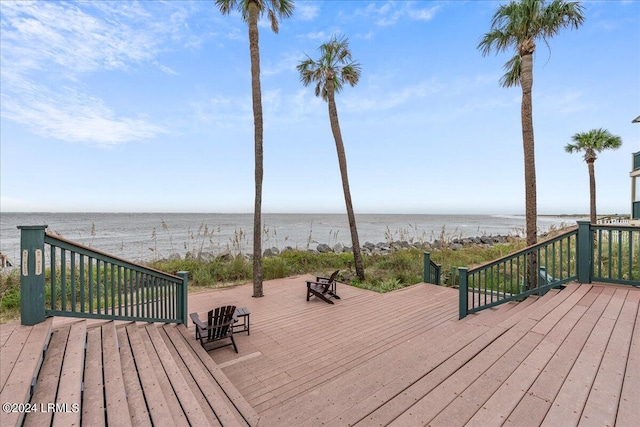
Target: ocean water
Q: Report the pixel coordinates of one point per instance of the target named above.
(149, 236)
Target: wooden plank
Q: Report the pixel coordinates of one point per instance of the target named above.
(629, 410)
(506, 398)
(173, 404)
(25, 369)
(114, 390)
(535, 404)
(11, 352)
(198, 393)
(6, 329)
(140, 416)
(47, 384)
(239, 402)
(466, 403)
(568, 405)
(93, 395)
(70, 386)
(155, 398)
(602, 405)
(188, 403)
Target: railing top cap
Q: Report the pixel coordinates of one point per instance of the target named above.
(32, 227)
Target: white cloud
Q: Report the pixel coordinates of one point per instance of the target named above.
(306, 12)
(69, 115)
(390, 12)
(61, 43)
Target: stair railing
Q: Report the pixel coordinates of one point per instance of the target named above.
(59, 277)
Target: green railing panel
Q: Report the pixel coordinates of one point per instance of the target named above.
(636, 160)
(616, 254)
(533, 270)
(601, 253)
(431, 270)
(83, 282)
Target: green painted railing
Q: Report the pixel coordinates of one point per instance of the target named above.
(603, 253)
(62, 278)
(616, 254)
(636, 160)
(431, 270)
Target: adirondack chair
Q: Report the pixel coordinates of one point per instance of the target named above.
(219, 326)
(322, 287)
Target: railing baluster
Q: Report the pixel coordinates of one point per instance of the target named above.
(82, 283)
(63, 279)
(73, 282)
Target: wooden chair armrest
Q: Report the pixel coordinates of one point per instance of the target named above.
(196, 319)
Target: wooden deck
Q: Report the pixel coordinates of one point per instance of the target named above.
(401, 358)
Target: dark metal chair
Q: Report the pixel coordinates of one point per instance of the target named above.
(219, 326)
(322, 287)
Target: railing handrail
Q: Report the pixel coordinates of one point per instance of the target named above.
(571, 230)
(88, 283)
(598, 252)
(63, 243)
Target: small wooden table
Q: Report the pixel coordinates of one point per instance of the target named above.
(246, 322)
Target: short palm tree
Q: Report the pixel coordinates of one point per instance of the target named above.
(335, 68)
(518, 25)
(251, 10)
(592, 142)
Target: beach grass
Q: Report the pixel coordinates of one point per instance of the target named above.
(384, 272)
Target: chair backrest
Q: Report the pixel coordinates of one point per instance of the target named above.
(220, 321)
(329, 283)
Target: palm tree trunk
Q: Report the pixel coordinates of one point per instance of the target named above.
(342, 161)
(257, 123)
(592, 193)
(531, 210)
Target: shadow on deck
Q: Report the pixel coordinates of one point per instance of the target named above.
(401, 358)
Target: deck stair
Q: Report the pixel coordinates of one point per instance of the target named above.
(124, 374)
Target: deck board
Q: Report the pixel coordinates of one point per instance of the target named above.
(156, 402)
(138, 411)
(568, 405)
(570, 357)
(93, 411)
(114, 389)
(70, 386)
(47, 384)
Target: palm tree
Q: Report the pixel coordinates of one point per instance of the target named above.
(518, 25)
(251, 10)
(330, 73)
(592, 142)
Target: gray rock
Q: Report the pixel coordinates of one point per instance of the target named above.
(456, 246)
(338, 248)
(324, 248)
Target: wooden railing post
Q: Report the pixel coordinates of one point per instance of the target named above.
(32, 274)
(427, 268)
(182, 303)
(584, 251)
(463, 292)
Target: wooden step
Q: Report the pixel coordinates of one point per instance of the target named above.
(156, 403)
(222, 395)
(22, 358)
(70, 386)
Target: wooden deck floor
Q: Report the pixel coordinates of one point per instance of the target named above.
(401, 359)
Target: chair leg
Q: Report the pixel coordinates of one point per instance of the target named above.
(234, 343)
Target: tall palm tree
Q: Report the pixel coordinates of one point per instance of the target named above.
(251, 10)
(335, 68)
(518, 25)
(592, 142)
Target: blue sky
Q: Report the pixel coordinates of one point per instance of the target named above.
(146, 106)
